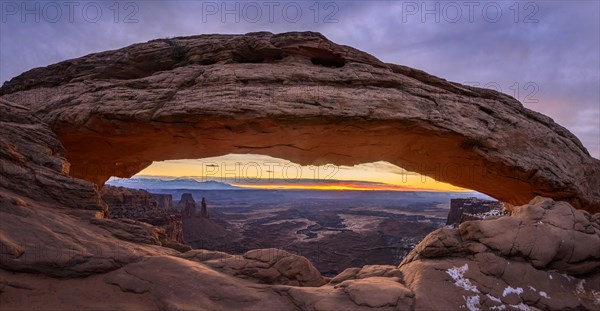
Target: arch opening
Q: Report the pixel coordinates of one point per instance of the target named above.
(124, 148)
(337, 216)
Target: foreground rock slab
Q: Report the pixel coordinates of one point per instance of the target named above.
(269, 266)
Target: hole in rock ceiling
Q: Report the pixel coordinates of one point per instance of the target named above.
(329, 61)
(336, 216)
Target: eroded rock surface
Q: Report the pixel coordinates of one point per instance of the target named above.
(546, 255)
(47, 218)
(367, 271)
(154, 209)
(32, 164)
(187, 205)
(304, 98)
(269, 266)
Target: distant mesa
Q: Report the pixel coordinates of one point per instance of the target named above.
(188, 208)
(199, 231)
(151, 183)
(187, 205)
(139, 205)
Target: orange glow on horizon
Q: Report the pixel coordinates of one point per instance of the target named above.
(275, 173)
(341, 187)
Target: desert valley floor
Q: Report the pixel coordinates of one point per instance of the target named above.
(335, 230)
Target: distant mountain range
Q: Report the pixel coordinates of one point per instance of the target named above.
(149, 183)
(175, 186)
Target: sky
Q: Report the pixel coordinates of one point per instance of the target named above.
(544, 53)
(261, 171)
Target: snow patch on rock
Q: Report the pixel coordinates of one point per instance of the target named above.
(472, 302)
(522, 307)
(579, 289)
(458, 275)
(596, 296)
(511, 290)
(494, 299)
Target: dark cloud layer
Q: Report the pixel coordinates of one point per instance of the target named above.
(546, 53)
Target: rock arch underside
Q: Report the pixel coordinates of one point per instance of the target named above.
(287, 96)
(66, 128)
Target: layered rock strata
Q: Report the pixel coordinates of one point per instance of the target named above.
(301, 97)
(154, 209)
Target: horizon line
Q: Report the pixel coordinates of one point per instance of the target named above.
(309, 184)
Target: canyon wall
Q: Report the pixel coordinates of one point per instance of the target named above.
(154, 209)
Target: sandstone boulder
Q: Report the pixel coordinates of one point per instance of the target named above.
(366, 272)
(267, 266)
(377, 292)
(546, 255)
(179, 284)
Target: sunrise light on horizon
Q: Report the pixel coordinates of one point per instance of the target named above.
(265, 172)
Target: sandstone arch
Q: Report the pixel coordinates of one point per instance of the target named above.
(301, 97)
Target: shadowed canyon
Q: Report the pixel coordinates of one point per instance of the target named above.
(66, 128)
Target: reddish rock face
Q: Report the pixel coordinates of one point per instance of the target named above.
(268, 266)
(154, 209)
(32, 163)
(304, 98)
(50, 222)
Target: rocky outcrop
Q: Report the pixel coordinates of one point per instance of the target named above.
(267, 266)
(32, 164)
(145, 207)
(121, 196)
(187, 205)
(304, 98)
(545, 255)
(204, 209)
(49, 220)
(204, 233)
(199, 231)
